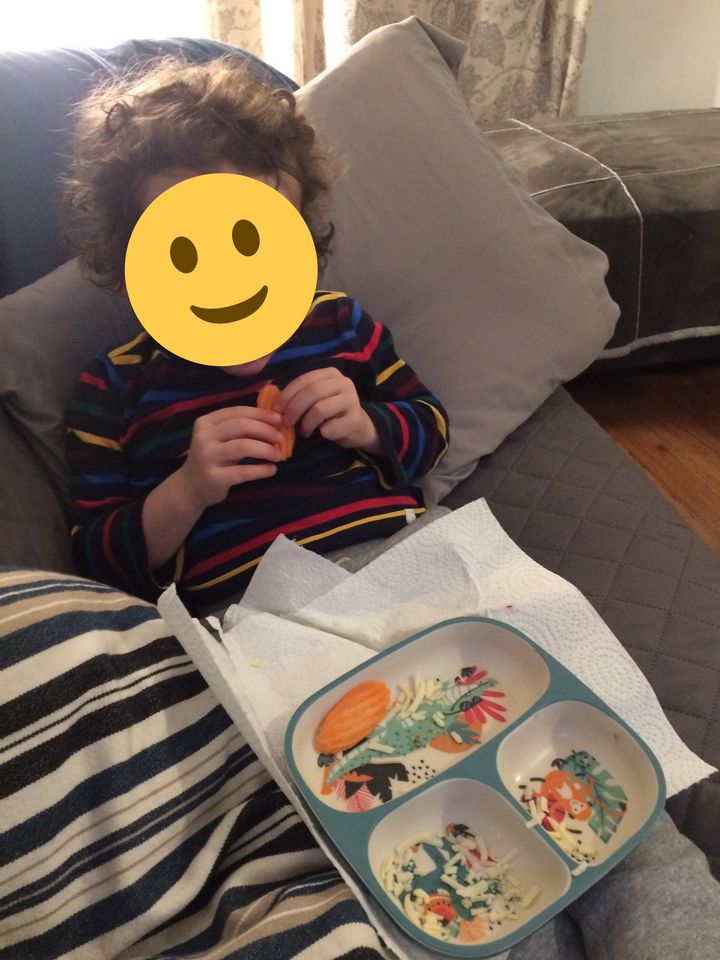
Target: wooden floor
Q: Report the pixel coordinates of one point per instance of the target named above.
(668, 421)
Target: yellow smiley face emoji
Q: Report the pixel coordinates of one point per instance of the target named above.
(221, 269)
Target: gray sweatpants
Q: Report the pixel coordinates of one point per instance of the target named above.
(660, 903)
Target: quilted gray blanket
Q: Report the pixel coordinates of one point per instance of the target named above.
(573, 501)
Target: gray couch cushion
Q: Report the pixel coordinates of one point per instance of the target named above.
(571, 500)
(49, 330)
(33, 526)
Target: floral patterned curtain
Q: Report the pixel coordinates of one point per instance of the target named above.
(524, 57)
(289, 34)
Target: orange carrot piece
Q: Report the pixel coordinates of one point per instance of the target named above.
(267, 398)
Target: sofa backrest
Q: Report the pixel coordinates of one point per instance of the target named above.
(37, 92)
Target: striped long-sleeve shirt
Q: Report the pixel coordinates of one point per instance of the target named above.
(130, 424)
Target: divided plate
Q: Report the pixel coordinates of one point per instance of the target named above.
(473, 783)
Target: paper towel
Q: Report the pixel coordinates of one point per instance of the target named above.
(229, 678)
(304, 621)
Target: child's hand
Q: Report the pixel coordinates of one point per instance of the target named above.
(327, 401)
(219, 441)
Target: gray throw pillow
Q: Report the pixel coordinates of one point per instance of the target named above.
(490, 299)
(49, 330)
(33, 523)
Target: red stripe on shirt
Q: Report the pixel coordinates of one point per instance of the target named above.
(159, 415)
(93, 381)
(403, 390)
(94, 504)
(367, 351)
(404, 432)
(294, 527)
(107, 548)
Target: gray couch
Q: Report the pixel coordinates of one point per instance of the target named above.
(645, 188)
(558, 484)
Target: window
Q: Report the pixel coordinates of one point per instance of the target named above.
(45, 24)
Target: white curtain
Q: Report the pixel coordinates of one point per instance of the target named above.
(524, 57)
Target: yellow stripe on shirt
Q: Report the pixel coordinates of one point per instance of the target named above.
(227, 576)
(442, 426)
(119, 351)
(98, 441)
(326, 295)
(126, 359)
(353, 466)
(388, 372)
(357, 523)
(439, 457)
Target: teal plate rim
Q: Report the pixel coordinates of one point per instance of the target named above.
(563, 686)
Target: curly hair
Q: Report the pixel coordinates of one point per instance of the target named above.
(171, 113)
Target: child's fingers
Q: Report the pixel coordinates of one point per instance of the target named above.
(309, 396)
(236, 428)
(242, 412)
(301, 383)
(321, 411)
(233, 450)
(337, 428)
(250, 471)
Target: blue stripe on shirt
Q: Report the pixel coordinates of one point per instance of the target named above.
(170, 396)
(197, 536)
(312, 349)
(99, 478)
(112, 374)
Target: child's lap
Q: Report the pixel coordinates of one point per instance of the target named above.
(661, 900)
(360, 554)
(354, 557)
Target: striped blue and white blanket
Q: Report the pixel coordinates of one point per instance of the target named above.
(134, 820)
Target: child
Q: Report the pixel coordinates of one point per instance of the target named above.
(156, 444)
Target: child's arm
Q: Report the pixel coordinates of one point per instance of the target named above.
(169, 514)
(411, 423)
(107, 536)
(124, 534)
(220, 440)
